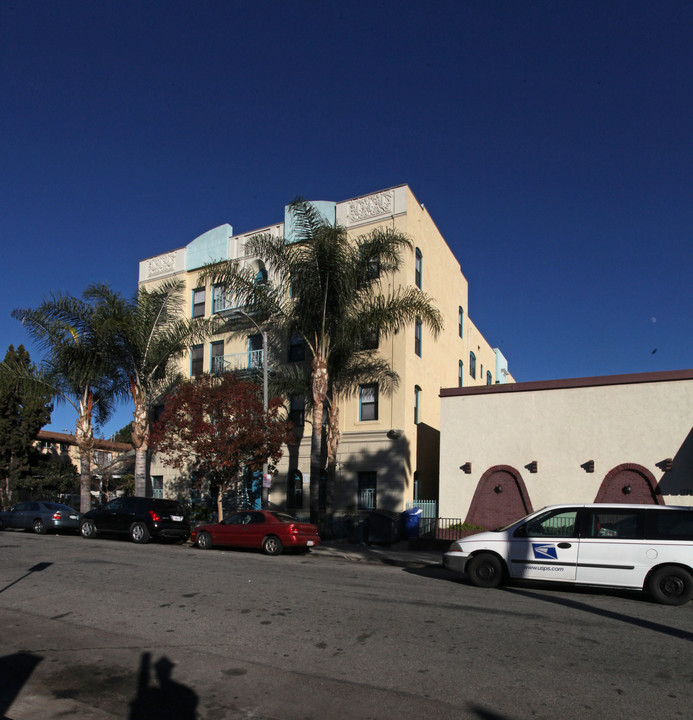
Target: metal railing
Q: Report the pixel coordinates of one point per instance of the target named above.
(249, 360)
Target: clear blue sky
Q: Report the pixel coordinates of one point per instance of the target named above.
(552, 143)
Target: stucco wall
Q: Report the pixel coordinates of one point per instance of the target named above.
(638, 420)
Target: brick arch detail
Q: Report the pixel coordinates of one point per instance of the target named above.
(490, 509)
(644, 488)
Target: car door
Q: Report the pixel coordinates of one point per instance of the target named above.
(231, 531)
(256, 530)
(546, 546)
(16, 518)
(108, 518)
(613, 550)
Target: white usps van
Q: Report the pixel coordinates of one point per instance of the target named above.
(643, 547)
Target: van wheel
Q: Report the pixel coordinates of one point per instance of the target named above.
(139, 533)
(671, 585)
(485, 570)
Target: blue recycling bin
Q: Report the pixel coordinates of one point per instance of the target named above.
(410, 523)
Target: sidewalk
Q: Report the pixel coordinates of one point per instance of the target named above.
(397, 554)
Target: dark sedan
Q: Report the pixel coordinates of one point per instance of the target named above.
(40, 516)
(269, 531)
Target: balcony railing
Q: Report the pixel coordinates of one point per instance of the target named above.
(235, 362)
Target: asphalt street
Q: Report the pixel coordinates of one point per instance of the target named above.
(106, 629)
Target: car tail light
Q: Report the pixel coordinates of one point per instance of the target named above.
(293, 529)
(56, 516)
(155, 517)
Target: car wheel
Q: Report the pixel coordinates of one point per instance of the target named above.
(88, 529)
(485, 570)
(272, 545)
(2, 525)
(204, 540)
(671, 585)
(139, 533)
(39, 527)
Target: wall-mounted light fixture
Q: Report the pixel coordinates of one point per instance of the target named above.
(667, 464)
(588, 467)
(532, 467)
(498, 489)
(395, 433)
(466, 468)
(627, 490)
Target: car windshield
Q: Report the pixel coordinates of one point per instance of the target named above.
(513, 523)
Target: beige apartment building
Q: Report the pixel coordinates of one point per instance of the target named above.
(389, 450)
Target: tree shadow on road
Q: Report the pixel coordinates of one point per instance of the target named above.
(15, 670)
(169, 700)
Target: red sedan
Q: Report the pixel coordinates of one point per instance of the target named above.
(265, 530)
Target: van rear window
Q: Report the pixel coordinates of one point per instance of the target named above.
(671, 525)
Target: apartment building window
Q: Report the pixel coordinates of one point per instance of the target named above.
(417, 337)
(255, 351)
(460, 321)
(297, 410)
(198, 303)
(481, 371)
(368, 402)
(418, 269)
(489, 379)
(216, 355)
(294, 489)
(157, 486)
(367, 490)
(460, 374)
(297, 348)
(417, 404)
(472, 365)
(197, 354)
(220, 299)
(261, 277)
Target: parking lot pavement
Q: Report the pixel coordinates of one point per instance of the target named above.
(397, 554)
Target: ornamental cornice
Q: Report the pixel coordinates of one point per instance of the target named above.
(371, 206)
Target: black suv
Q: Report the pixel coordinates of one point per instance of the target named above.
(139, 517)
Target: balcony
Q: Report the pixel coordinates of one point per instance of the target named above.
(238, 362)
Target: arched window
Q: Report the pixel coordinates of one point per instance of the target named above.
(418, 268)
(489, 379)
(460, 321)
(294, 489)
(460, 374)
(417, 404)
(261, 277)
(472, 364)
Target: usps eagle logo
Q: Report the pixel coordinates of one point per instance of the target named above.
(542, 551)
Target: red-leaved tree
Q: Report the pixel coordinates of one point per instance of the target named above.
(216, 424)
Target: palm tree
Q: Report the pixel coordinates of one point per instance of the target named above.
(76, 368)
(327, 288)
(145, 337)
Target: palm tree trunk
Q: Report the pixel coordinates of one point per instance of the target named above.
(319, 379)
(84, 435)
(140, 439)
(333, 437)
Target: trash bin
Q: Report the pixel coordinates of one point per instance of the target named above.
(410, 523)
(383, 526)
